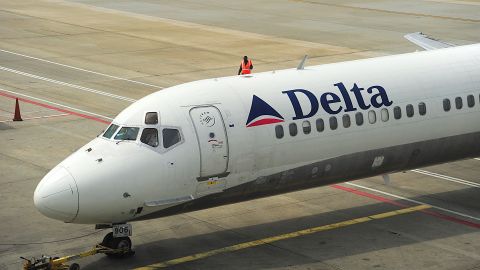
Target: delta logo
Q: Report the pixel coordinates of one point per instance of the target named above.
(342, 100)
(262, 114)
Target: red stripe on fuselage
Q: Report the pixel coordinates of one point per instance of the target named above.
(266, 121)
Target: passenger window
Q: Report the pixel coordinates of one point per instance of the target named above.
(422, 108)
(333, 123)
(384, 115)
(346, 121)
(150, 137)
(446, 105)
(458, 103)
(127, 134)
(110, 131)
(320, 125)
(470, 101)
(293, 129)
(410, 111)
(279, 131)
(171, 136)
(151, 118)
(397, 112)
(372, 117)
(359, 118)
(307, 128)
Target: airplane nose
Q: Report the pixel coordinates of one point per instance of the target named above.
(56, 196)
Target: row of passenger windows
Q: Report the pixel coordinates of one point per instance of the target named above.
(170, 136)
(346, 120)
(459, 103)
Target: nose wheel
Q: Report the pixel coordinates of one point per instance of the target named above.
(118, 243)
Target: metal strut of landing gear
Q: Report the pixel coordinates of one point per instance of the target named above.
(118, 239)
(114, 247)
(118, 243)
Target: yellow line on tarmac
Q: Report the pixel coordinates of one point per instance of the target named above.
(272, 239)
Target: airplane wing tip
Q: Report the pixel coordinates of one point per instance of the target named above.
(426, 42)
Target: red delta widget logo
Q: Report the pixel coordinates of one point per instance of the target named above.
(261, 113)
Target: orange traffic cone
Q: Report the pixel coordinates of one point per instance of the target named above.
(17, 116)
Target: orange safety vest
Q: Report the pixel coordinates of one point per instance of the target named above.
(246, 68)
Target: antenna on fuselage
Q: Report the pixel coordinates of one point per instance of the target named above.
(302, 64)
(386, 179)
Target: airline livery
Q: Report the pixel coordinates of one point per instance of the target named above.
(225, 140)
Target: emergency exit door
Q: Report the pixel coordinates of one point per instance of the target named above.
(212, 140)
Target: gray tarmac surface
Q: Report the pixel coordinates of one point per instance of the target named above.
(66, 58)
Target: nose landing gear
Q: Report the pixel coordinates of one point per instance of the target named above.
(118, 243)
(118, 239)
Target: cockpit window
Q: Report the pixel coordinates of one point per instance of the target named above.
(151, 118)
(170, 136)
(127, 134)
(110, 131)
(150, 137)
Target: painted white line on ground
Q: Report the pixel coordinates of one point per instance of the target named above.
(82, 69)
(477, 159)
(448, 178)
(414, 201)
(67, 84)
(57, 104)
(39, 117)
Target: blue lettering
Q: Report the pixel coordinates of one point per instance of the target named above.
(358, 95)
(382, 94)
(326, 101)
(296, 104)
(346, 97)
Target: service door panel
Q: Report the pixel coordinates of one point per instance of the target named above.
(212, 139)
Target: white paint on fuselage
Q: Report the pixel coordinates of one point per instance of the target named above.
(132, 173)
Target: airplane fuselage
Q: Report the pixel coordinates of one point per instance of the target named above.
(236, 138)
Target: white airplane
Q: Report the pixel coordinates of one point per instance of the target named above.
(231, 139)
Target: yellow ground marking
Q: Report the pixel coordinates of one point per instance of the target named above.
(272, 239)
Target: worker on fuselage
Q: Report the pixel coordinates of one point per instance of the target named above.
(245, 66)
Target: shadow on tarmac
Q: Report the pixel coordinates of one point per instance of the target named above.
(357, 239)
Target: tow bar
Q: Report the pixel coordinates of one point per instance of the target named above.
(60, 263)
